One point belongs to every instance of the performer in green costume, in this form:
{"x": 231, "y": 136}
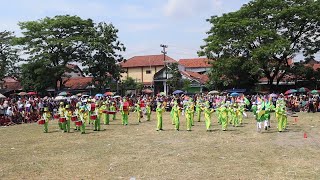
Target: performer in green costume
{"x": 207, "y": 115}
{"x": 46, "y": 116}
{"x": 160, "y": 109}
{"x": 148, "y": 111}
{"x": 176, "y": 114}
{"x": 198, "y": 109}
{"x": 124, "y": 112}
{"x": 189, "y": 115}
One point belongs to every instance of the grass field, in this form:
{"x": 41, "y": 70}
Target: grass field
{"x": 137, "y": 151}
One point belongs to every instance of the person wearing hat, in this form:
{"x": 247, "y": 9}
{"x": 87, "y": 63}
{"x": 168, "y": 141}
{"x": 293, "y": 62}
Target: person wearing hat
{"x": 104, "y": 116}
{"x": 46, "y": 116}
{"x": 224, "y": 117}
{"x": 160, "y": 109}
{"x": 68, "y": 115}
{"x": 82, "y": 118}
{"x": 61, "y": 112}
{"x": 114, "y": 109}
{"x": 207, "y": 115}
{"x": 124, "y": 109}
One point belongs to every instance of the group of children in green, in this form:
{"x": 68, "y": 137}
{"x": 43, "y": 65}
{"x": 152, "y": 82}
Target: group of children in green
{"x": 227, "y": 113}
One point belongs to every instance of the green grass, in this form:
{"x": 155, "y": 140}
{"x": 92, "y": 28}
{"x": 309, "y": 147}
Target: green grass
{"x": 137, "y": 150}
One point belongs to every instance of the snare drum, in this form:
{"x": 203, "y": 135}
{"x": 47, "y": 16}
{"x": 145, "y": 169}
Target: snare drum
{"x": 62, "y": 120}
{"x": 41, "y": 122}
{"x": 56, "y": 116}
{"x": 78, "y": 123}
{"x": 74, "y": 118}
{"x": 105, "y": 111}
{"x": 93, "y": 117}
{"x": 111, "y": 112}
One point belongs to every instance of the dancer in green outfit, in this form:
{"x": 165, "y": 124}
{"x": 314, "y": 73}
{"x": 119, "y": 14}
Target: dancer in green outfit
{"x": 198, "y": 110}
{"x": 176, "y": 113}
{"x": 160, "y": 109}
{"x": 103, "y": 114}
{"x": 46, "y": 116}
{"x": 148, "y": 111}
{"x": 189, "y": 111}
{"x": 207, "y": 115}
{"x": 224, "y": 117}
{"x": 114, "y": 109}
{"x": 61, "y": 111}
{"x": 82, "y": 119}
{"x": 138, "y": 111}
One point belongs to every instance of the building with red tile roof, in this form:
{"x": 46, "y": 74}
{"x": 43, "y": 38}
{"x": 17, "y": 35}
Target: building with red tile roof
{"x": 199, "y": 65}
{"x": 143, "y": 68}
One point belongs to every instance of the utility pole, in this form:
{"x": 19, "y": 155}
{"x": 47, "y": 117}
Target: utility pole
{"x": 164, "y": 52}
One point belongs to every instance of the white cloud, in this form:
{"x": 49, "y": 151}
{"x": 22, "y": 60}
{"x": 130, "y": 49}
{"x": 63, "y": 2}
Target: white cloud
{"x": 186, "y": 8}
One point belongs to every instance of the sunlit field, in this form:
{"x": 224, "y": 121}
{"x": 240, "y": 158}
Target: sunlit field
{"x": 138, "y": 151}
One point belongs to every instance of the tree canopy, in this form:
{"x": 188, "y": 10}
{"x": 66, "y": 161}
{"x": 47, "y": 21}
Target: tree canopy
{"x": 265, "y": 35}
{"x": 8, "y": 54}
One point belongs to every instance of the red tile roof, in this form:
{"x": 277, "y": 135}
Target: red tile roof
{"x": 316, "y": 66}
{"x": 11, "y": 83}
{"x": 78, "y": 83}
{"x": 202, "y": 78}
{"x": 195, "y": 63}
{"x": 146, "y": 61}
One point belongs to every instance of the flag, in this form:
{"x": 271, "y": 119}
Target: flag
{"x": 246, "y": 101}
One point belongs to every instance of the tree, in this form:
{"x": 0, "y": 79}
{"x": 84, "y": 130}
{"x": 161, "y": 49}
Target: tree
{"x": 8, "y": 55}
{"x": 103, "y": 63}
{"x": 174, "y": 81}
{"x": 56, "y": 42}
{"x": 267, "y": 33}
{"x": 36, "y": 76}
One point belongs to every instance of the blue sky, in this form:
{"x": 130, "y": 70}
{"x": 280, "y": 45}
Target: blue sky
{"x": 143, "y": 24}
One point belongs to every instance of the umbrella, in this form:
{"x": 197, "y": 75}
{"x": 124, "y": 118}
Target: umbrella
{"x": 147, "y": 91}
{"x": 213, "y": 92}
{"x": 22, "y": 93}
{"x": 162, "y": 93}
{"x": 2, "y": 96}
{"x": 58, "y": 98}
{"x": 303, "y": 90}
{"x": 273, "y": 95}
{"x": 79, "y": 94}
{"x": 108, "y": 93}
{"x": 177, "y": 92}
{"x": 63, "y": 93}
{"x": 234, "y": 94}
{"x": 290, "y": 91}
{"x": 74, "y": 97}
{"x": 31, "y": 93}
{"x": 99, "y": 95}
{"x": 116, "y": 96}
{"x": 315, "y": 91}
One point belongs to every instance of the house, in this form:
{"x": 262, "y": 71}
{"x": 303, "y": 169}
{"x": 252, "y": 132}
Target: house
{"x": 73, "y": 71}
{"x": 10, "y": 85}
{"x": 199, "y": 65}
{"x": 143, "y": 68}
{"x": 197, "y": 81}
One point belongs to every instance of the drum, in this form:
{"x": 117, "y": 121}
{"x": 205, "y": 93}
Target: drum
{"x": 111, "y": 112}
{"x": 56, "y": 116}
{"x": 62, "y": 120}
{"x": 93, "y": 117}
{"x": 78, "y": 123}
{"x": 105, "y": 111}
{"x": 41, "y": 122}
{"x": 74, "y": 118}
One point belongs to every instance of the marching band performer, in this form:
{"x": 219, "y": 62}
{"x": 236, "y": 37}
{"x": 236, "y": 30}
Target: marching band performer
{"x": 68, "y": 115}
{"x": 46, "y": 116}
{"x": 97, "y": 121}
{"x": 124, "y": 109}
{"x": 189, "y": 111}
{"x": 104, "y": 116}
{"x": 61, "y": 112}
{"x": 82, "y": 116}
{"x": 139, "y": 111}
{"x": 113, "y": 108}
{"x": 176, "y": 114}
{"x": 198, "y": 109}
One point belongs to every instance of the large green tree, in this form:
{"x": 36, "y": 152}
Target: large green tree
{"x": 175, "y": 81}
{"x": 56, "y": 42}
{"x": 8, "y": 54}
{"x": 103, "y": 62}
{"x": 37, "y": 76}
{"x": 267, "y": 33}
